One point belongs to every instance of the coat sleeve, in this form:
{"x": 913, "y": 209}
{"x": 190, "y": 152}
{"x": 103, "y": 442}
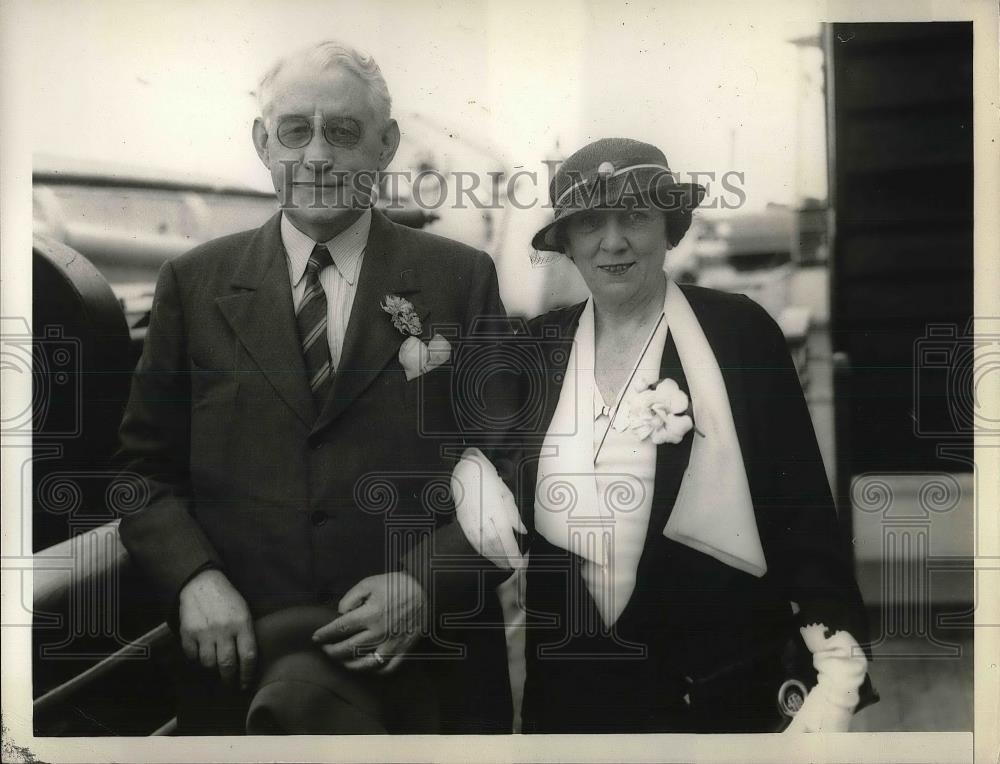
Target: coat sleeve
{"x": 807, "y": 553}
{"x": 163, "y": 537}
{"x": 484, "y": 329}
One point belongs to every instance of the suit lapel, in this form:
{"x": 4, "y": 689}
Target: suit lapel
{"x": 671, "y": 459}
{"x": 672, "y": 463}
{"x": 262, "y": 315}
{"x": 371, "y": 340}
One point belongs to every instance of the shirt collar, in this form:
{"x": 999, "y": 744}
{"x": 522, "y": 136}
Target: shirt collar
{"x": 346, "y": 248}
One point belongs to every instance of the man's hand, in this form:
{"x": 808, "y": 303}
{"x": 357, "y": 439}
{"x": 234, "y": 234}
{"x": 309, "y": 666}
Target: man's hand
{"x": 381, "y": 617}
{"x": 216, "y": 627}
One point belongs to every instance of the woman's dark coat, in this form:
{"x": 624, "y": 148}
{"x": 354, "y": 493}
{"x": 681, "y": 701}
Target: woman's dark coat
{"x": 698, "y": 647}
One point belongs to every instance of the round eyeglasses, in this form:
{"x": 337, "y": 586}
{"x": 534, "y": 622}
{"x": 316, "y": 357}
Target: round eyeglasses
{"x": 295, "y": 132}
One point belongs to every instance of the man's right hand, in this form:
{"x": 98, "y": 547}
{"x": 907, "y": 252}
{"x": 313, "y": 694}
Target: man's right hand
{"x": 216, "y": 627}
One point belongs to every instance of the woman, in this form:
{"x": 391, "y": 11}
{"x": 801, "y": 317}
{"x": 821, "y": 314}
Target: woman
{"x": 674, "y": 500}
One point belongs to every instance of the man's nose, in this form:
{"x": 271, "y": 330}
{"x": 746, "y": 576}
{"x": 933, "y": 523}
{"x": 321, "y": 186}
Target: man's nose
{"x": 318, "y": 154}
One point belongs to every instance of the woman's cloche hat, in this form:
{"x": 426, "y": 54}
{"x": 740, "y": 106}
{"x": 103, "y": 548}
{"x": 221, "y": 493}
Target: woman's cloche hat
{"x": 613, "y": 173}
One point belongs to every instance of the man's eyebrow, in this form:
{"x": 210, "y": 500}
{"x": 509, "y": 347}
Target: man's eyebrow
{"x": 326, "y": 115}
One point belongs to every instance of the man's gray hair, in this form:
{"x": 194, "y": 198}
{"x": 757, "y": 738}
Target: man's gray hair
{"x": 327, "y": 55}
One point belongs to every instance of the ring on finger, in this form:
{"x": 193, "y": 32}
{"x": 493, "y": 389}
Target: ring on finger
{"x": 378, "y": 658}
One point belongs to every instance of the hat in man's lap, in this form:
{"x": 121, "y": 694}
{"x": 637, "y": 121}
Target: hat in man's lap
{"x": 304, "y": 692}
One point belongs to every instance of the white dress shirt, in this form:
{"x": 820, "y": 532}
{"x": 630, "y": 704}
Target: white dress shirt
{"x": 339, "y": 281}
{"x": 596, "y": 503}
{"x": 625, "y": 471}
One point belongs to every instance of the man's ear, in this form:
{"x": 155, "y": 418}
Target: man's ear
{"x": 260, "y": 140}
{"x": 390, "y": 142}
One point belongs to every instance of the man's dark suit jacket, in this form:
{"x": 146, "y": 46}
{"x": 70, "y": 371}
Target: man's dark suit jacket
{"x": 297, "y": 502}
{"x": 691, "y": 617}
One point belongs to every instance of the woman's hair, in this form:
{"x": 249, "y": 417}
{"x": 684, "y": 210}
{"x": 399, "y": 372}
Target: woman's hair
{"x": 330, "y": 54}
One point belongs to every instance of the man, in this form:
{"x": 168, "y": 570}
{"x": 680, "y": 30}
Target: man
{"x": 277, "y": 413}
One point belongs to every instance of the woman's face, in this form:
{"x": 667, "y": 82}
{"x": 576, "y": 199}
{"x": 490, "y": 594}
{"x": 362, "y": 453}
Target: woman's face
{"x": 619, "y": 253}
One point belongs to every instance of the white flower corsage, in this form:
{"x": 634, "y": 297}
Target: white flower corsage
{"x": 404, "y": 315}
{"x": 660, "y": 411}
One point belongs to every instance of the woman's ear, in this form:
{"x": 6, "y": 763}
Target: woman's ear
{"x": 666, "y": 230}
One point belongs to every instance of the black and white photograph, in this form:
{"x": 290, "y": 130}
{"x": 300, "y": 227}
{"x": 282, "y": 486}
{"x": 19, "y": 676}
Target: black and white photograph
{"x": 442, "y": 381}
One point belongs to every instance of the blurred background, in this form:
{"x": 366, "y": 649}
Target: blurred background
{"x": 838, "y": 159}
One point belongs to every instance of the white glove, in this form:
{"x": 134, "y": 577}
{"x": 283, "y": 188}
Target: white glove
{"x": 486, "y": 510}
{"x": 841, "y": 667}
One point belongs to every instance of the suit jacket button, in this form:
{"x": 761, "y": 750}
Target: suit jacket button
{"x": 318, "y": 518}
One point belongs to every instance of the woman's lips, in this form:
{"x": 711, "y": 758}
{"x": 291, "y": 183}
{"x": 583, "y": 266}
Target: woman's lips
{"x": 617, "y": 269}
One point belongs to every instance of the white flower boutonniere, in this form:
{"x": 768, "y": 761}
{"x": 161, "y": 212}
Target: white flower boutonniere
{"x": 660, "y": 411}
{"x": 416, "y": 357}
{"x": 404, "y": 315}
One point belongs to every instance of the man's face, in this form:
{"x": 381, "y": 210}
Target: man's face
{"x": 321, "y": 185}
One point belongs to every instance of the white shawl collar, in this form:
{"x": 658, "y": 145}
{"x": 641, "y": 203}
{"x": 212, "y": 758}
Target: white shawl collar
{"x": 713, "y": 512}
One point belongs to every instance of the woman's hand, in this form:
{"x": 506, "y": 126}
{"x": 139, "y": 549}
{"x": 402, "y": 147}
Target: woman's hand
{"x": 841, "y": 667}
{"x": 486, "y": 510}
{"x": 817, "y": 714}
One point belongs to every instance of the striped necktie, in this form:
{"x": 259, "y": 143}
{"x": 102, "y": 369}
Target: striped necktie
{"x": 311, "y": 319}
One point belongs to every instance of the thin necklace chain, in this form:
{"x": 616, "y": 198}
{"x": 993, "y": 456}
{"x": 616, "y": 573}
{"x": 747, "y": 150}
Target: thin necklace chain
{"x": 624, "y": 389}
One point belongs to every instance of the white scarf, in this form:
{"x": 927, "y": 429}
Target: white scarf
{"x": 713, "y": 512}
